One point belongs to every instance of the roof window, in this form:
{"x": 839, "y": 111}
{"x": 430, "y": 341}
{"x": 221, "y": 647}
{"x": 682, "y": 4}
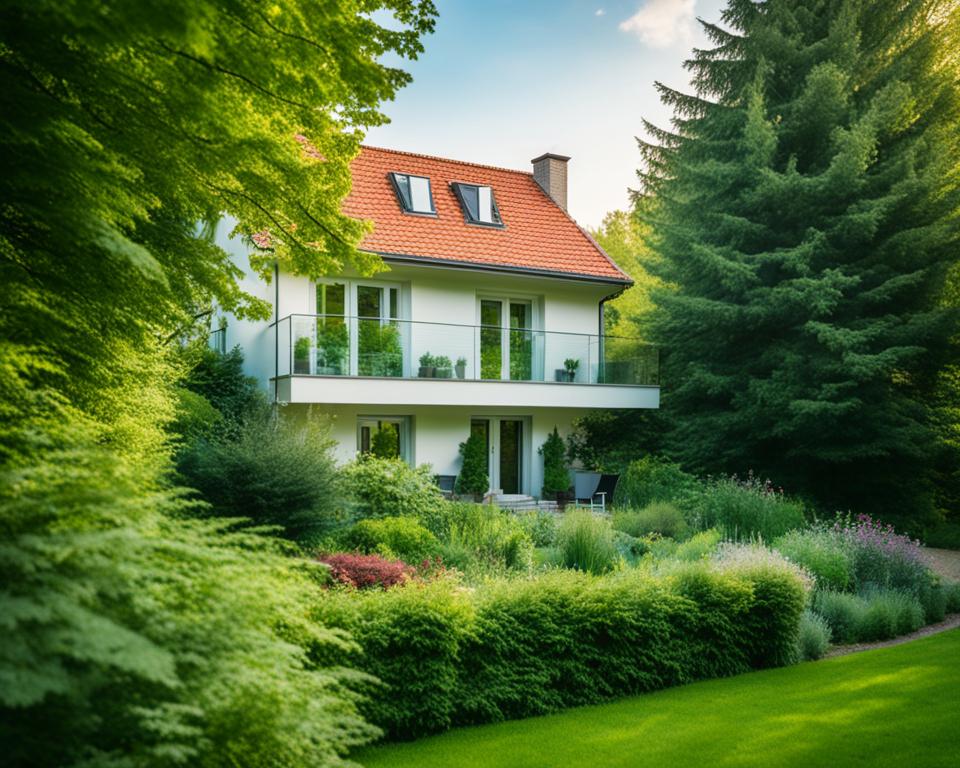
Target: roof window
{"x": 478, "y": 204}
{"x": 414, "y": 193}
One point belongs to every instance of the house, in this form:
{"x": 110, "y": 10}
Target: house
{"x": 489, "y": 319}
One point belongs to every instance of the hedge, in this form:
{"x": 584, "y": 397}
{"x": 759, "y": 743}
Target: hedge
{"x": 447, "y": 655}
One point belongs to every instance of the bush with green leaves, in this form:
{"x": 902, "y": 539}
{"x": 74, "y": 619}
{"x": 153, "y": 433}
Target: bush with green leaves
{"x": 745, "y": 509}
{"x": 541, "y": 525}
{"x": 276, "y": 471}
{"x": 556, "y": 477}
{"x": 521, "y": 647}
{"x": 379, "y": 487}
{"x": 951, "y": 593}
{"x": 400, "y": 537}
{"x": 814, "y": 636}
{"x": 878, "y": 614}
{"x": 659, "y": 517}
{"x": 821, "y": 551}
{"x": 586, "y": 542}
{"x": 221, "y": 381}
{"x": 384, "y": 443}
{"x": 473, "y": 479}
{"x": 654, "y": 478}
{"x": 485, "y": 535}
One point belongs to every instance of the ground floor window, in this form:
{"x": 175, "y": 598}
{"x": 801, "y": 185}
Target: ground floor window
{"x": 388, "y": 437}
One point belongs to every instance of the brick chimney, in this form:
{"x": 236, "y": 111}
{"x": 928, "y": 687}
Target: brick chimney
{"x": 550, "y": 172}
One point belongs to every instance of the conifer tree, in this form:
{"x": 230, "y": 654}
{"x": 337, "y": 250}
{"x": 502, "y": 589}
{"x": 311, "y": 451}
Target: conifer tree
{"x": 807, "y": 213}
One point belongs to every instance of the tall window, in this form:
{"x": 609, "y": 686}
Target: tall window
{"x": 413, "y": 192}
{"x": 387, "y": 437}
{"x": 506, "y": 340}
{"x": 333, "y": 342}
{"x": 379, "y": 347}
{"x": 478, "y": 204}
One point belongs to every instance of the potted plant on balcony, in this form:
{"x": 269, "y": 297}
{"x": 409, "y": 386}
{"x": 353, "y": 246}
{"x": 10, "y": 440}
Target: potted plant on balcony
{"x": 301, "y": 355}
{"x": 444, "y": 368}
{"x": 428, "y": 366}
{"x": 332, "y": 344}
{"x": 461, "y": 367}
{"x": 569, "y": 370}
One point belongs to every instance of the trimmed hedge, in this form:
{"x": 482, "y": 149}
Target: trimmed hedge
{"x": 514, "y": 648}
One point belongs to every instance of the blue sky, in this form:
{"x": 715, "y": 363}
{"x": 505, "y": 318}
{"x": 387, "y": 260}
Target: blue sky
{"x": 503, "y": 81}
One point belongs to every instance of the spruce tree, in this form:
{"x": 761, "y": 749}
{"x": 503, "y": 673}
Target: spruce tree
{"x": 806, "y": 212}
{"x": 556, "y": 478}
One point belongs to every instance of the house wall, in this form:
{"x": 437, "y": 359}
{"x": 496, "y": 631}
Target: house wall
{"x": 438, "y": 432}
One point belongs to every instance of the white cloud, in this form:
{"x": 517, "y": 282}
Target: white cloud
{"x": 662, "y": 22}
{"x": 600, "y": 12}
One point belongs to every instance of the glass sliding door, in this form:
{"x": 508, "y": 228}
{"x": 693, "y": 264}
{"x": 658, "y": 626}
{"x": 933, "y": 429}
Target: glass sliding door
{"x": 333, "y": 342}
{"x": 506, "y": 341}
{"x": 379, "y": 348}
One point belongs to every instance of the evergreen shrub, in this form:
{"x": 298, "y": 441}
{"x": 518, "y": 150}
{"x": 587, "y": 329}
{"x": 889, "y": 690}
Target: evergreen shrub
{"x": 516, "y": 648}
{"x": 814, "y": 637}
{"x": 473, "y": 479}
{"x": 556, "y": 477}
{"x": 400, "y": 537}
{"x": 653, "y": 478}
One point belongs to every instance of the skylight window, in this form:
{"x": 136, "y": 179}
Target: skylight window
{"x": 413, "y": 192}
{"x": 478, "y": 204}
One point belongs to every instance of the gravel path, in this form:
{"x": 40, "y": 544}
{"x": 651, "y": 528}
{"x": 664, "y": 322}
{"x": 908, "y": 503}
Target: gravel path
{"x": 946, "y": 562}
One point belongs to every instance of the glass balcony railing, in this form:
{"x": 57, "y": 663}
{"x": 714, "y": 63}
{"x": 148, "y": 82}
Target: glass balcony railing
{"x": 334, "y": 345}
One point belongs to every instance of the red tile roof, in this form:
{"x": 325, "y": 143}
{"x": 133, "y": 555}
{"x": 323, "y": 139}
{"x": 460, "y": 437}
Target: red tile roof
{"x": 538, "y": 235}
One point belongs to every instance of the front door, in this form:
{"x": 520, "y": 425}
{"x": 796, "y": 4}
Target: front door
{"x": 504, "y": 441}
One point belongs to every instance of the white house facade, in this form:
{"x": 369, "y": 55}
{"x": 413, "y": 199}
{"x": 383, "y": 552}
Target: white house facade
{"x": 488, "y": 319}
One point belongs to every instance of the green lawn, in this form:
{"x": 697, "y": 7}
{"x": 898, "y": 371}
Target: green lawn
{"x": 896, "y": 706}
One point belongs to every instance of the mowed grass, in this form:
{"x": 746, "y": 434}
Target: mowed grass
{"x": 896, "y": 706}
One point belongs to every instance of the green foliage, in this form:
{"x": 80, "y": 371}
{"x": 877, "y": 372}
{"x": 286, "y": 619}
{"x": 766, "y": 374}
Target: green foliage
{"x": 389, "y": 488}
{"x": 653, "y": 478}
{"x": 952, "y": 598}
{"x": 556, "y": 478}
{"x": 380, "y": 352}
{"x": 698, "y": 546}
{"x": 277, "y": 471}
{"x": 743, "y": 509}
{"x": 822, "y": 553}
{"x": 540, "y": 525}
{"x": 126, "y": 622}
{"x": 805, "y": 210}
{"x": 657, "y": 517}
{"x": 586, "y": 542}
{"x": 400, "y": 537}
{"x": 473, "y": 479}
{"x": 220, "y": 380}
{"x": 814, "y": 638}
{"x": 195, "y": 419}
{"x": 409, "y": 639}
{"x": 484, "y": 534}
{"x": 843, "y": 612}
{"x": 516, "y": 648}
{"x": 383, "y": 445}
{"x": 609, "y": 441}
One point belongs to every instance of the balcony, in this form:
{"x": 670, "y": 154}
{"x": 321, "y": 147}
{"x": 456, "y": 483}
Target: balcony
{"x": 337, "y": 359}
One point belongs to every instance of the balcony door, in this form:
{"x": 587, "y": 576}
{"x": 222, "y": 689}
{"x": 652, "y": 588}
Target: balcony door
{"x": 506, "y": 339}
{"x": 379, "y": 351}
{"x": 504, "y": 438}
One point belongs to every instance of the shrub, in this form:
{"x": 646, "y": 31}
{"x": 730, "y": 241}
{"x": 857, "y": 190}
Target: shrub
{"x": 889, "y": 613}
{"x": 586, "y": 542}
{"x": 473, "y": 479}
{"x": 883, "y": 557}
{"x": 658, "y": 517}
{"x": 409, "y": 638}
{"x": 653, "y": 478}
{"x": 366, "y": 571}
{"x": 744, "y": 509}
{"x": 195, "y": 419}
{"x": 540, "y": 525}
{"x": 383, "y": 445}
{"x": 814, "y": 636}
{"x": 390, "y": 488}
{"x": 277, "y": 471}
{"x": 699, "y": 546}
{"x": 556, "y": 478}
{"x": 844, "y": 613}
{"x": 516, "y": 648}
{"x": 822, "y": 552}
{"x": 486, "y": 534}
{"x": 400, "y": 537}
{"x": 220, "y": 379}
{"x": 952, "y": 597}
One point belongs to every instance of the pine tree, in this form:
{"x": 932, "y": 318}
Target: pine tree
{"x": 556, "y": 478}
{"x": 807, "y": 212}
{"x": 473, "y": 479}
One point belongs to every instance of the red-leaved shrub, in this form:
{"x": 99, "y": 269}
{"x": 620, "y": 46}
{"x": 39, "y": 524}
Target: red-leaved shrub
{"x": 365, "y": 571}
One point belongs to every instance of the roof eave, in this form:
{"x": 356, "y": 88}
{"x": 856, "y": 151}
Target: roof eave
{"x": 504, "y": 268}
